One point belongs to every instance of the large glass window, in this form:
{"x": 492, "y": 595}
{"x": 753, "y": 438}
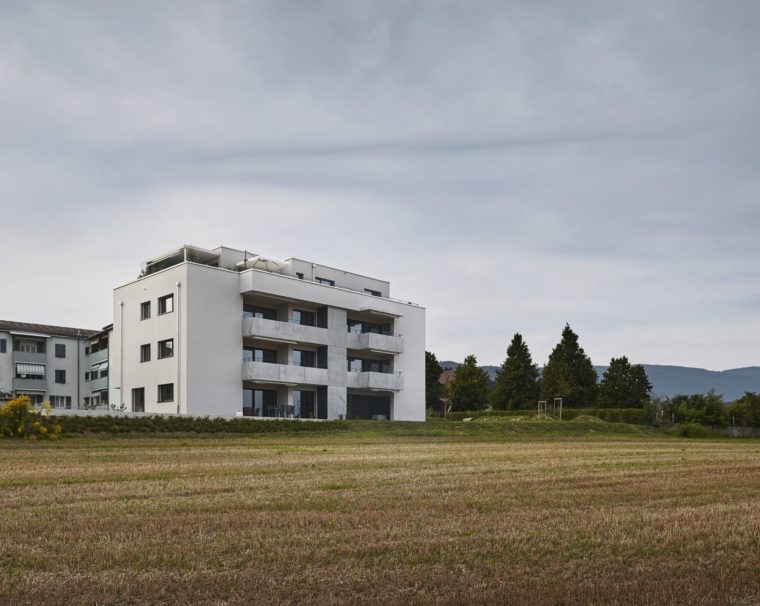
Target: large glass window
{"x": 304, "y": 404}
{"x": 304, "y": 358}
{"x": 29, "y": 346}
{"x": 261, "y": 403}
{"x": 254, "y": 311}
{"x": 254, "y": 354}
{"x": 369, "y": 365}
{"x": 306, "y": 318}
{"x": 359, "y": 327}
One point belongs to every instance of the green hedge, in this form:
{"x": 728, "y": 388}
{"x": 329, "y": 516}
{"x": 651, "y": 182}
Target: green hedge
{"x": 632, "y": 416}
{"x": 157, "y": 424}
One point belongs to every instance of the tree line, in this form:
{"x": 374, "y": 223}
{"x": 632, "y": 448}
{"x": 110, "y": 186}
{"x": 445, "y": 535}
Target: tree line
{"x": 570, "y": 375}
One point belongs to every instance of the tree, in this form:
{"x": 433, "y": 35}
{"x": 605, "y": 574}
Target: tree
{"x": 517, "y": 379}
{"x": 624, "y": 385}
{"x": 468, "y": 389}
{"x": 569, "y": 374}
{"x": 433, "y": 387}
{"x": 745, "y": 411}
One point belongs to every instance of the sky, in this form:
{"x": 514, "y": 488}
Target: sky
{"x": 510, "y": 166}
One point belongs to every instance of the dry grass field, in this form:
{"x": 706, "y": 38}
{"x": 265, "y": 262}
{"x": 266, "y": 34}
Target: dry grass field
{"x": 356, "y": 519}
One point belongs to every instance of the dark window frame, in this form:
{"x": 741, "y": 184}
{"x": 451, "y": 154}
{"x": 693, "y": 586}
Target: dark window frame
{"x": 162, "y": 396}
{"x": 60, "y": 347}
{"x": 59, "y": 374}
{"x": 145, "y": 310}
{"x": 162, "y": 304}
{"x": 167, "y": 345}
{"x": 145, "y": 352}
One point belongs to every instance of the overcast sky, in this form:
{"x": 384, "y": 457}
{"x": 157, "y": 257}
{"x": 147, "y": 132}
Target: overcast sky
{"x": 511, "y": 166}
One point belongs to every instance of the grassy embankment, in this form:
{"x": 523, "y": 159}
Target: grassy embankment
{"x": 490, "y": 512}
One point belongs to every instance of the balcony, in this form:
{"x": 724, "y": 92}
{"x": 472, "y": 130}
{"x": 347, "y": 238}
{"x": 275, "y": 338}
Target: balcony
{"x": 372, "y": 341}
{"x": 29, "y": 384}
{"x": 274, "y": 330}
{"x": 383, "y": 381}
{"x": 97, "y": 384}
{"x": 29, "y": 357}
{"x": 286, "y": 374}
{"x": 98, "y": 356}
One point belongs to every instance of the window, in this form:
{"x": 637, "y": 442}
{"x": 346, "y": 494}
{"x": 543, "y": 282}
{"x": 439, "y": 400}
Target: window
{"x": 36, "y": 398}
{"x": 304, "y": 358}
{"x": 145, "y": 310}
{"x": 60, "y": 402}
{"x": 251, "y": 354}
{"x": 326, "y": 281}
{"x": 87, "y": 350}
{"x": 145, "y": 353}
{"x": 3, "y": 346}
{"x": 261, "y": 403}
{"x": 60, "y": 376}
{"x": 374, "y": 293}
{"x": 29, "y": 346}
{"x": 165, "y": 349}
{"x": 305, "y": 318}
{"x": 60, "y": 350}
{"x": 299, "y": 275}
{"x": 166, "y": 392}
{"x": 354, "y": 365}
{"x": 138, "y": 399}
{"x": 304, "y": 404}
{"x": 87, "y": 377}
{"x": 253, "y": 311}
{"x": 166, "y": 305}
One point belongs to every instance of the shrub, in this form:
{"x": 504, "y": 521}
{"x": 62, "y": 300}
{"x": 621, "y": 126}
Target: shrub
{"x": 692, "y": 430}
{"x": 19, "y": 420}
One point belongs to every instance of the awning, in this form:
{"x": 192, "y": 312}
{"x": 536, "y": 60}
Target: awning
{"x": 99, "y": 366}
{"x": 29, "y": 334}
{"x": 30, "y": 369}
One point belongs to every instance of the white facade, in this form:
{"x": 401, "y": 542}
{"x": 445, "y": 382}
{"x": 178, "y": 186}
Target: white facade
{"x": 46, "y": 363}
{"x": 223, "y": 337}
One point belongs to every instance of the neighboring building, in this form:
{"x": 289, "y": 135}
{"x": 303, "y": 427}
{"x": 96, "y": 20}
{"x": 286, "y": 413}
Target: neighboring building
{"x": 44, "y": 362}
{"x": 96, "y": 374}
{"x": 224, "y": 332}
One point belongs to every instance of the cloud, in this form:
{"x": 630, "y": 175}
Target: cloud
{"x": 511, "y": 165}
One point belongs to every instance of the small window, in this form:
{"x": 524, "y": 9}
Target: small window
{"x": 299, "y": 275}
{"x": 166, "y": 305}
{"x": 87, "y": 350}
{"x": 326, "y": 281}
{"x": 374, "y": 293}
{"x": 166, "y": 348}
{"x": 87, "y": 377}
{"x": 60, "y": 350}
{"x": 166, "y": 392}
{"x": 3, "y": 346}
{"x": 60, "y": 376}
{"x": 145, "y": 353}
{"x": 145, "y": 310}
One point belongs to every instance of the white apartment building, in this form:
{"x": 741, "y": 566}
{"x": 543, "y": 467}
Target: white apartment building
{"x": 46, "y": 363}
{"x": 227, "y": 332}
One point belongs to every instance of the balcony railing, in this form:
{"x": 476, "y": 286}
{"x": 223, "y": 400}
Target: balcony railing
{"x": 385, "y": 381}
{"x": 283, "y": 331}
{"x": 375, "y": 342}
{"x": 29, "y": 357}
{"x": 31, "y": 384}
{"x": 266, "y": 372}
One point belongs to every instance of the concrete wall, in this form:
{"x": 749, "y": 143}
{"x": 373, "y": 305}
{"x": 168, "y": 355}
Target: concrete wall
{"x": 214, "y": 341}
{"x": 344, "y": 279}
{"x": 129, "y": 333}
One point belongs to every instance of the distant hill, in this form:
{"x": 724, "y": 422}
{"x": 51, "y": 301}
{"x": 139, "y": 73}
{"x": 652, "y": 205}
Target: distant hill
{"x": 674, "y": 380}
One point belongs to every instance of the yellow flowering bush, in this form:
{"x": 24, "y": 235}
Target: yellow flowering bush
{"x": 19, "y": 419}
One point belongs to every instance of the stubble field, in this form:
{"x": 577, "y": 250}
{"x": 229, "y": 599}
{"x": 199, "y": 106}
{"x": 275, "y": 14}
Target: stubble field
{"x": 356, "y": 519}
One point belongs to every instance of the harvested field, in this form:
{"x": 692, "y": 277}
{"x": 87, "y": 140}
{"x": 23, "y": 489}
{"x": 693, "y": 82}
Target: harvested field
{"x": 370, "y": 518}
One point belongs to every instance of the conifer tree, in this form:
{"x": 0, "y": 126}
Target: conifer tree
{"x": 469, "y": 389}
{"x": 569, "y": 374}
{"x": 624, "y": 385}
{"x": 433, "y": 387}
{"x": 517, "y": 378}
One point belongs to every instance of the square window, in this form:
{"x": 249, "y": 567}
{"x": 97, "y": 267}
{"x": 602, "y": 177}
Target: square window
{"x": 145, "y": 353}
{"x": 166, "y": 305}
{"x": 145, "y": 310}
{"x": 166, "y": 348}
{"x": 166, "y": 392}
